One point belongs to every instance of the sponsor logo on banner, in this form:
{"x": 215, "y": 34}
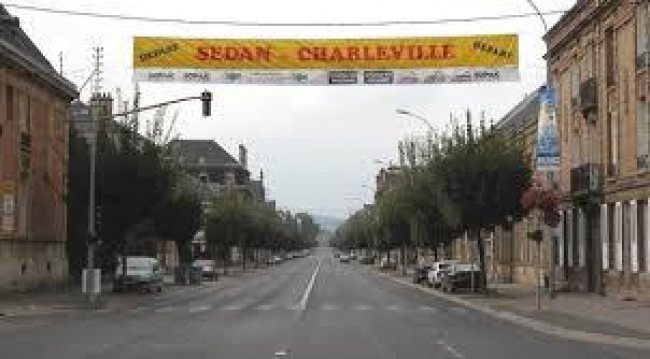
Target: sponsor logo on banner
{"x": 199, "y": 76}
{"x": 378, "y": 77}
{"x": 487, "y": 75}
{"x": 301, "y": 77}
{"x": 438, "y": 77}
{"x": 161, "y": 76}
{"x": 408, "y": 78}
{"x": 342, "y": 77}
{"x": 233, "y": 77}
{"x": 270, "y": 77}
{"x": 464, "y": 76}
{"x": 148, "y": 55}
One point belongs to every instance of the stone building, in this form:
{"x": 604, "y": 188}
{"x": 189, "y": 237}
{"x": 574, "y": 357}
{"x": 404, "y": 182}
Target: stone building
{"x": 598, "y": 54}
{"x": 34, "y": 102}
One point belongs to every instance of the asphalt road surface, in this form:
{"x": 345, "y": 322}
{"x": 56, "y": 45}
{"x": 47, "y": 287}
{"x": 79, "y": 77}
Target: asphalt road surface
{"x": 311, "y": 308}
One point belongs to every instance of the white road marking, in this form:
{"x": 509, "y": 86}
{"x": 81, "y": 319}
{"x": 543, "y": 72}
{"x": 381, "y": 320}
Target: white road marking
{"x": 305, "y": 296}
{"x": 394, "y": 307}
{"x": 451, "y": 349}
{"x": 329, "y": 307}
{"x": 264, "y": 307}
{"x": 427, "y": 308}
{"x": 199, "y": 309}
{"x": 362, "y": 307}
{"x": 137, "y": 310}
{"x": 164, "y": 310}
{"x": 232, "y": 307}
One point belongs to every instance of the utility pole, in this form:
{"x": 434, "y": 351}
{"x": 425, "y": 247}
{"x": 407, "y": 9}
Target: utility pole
{"x": 92, "y": 277}
{"x": 98, "y": 56}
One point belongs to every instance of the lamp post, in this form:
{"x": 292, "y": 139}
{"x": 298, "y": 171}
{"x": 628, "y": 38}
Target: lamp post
{"x": 422, "y": 119}
{"x": 548, "y": 101}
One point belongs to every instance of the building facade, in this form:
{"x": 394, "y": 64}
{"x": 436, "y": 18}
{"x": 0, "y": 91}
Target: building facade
{"x": 34, "y": 102}
{"x": 598, "y": 54}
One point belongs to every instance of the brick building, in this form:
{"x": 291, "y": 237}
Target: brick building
{"x": 598, "y": 54}
{"x": 34, "y": 103}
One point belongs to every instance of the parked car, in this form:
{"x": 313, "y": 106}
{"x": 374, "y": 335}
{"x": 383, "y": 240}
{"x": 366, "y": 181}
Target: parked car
{"x": 352, "y": 256}
{"x": 420, "y": 274}
{"x": 367, "y": 259}
{"x": 439, "y": 270}
{"x": 462, "y": 276}
{"x": 208, "y": 269}
{"x": 337, "y": 255}
{"x": 344, "y": 258}
{"x": 142, "y": 273}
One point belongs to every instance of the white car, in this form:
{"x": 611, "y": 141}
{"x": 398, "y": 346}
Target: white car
{"x": 438, "y": 270}
{"x": 208, "y": 269}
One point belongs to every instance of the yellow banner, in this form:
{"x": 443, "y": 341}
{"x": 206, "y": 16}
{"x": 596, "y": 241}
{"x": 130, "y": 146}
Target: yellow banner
{"x": 486, "y": 51}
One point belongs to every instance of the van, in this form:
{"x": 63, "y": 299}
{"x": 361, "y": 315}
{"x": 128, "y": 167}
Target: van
{"x": 142, "y": 273}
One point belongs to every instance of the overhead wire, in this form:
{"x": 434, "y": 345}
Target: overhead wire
{"x": 241, "y": 23}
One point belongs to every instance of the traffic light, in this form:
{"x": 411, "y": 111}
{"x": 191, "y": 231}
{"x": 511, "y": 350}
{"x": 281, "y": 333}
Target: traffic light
{"x": 98, "y": 219}
{"x": 206, "y": 102}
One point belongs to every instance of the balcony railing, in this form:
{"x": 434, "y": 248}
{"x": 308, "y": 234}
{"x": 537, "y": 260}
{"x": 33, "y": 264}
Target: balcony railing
{"x": 587, "y": 179}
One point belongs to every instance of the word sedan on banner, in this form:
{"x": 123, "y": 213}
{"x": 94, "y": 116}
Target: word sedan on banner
{"x": 418, "y": 60}
{"x": 548, "y": 143}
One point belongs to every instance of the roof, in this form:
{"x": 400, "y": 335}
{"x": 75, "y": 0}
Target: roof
{"x": 211, "y": 152}
{"x": 18, "y": 48}
{"x": 525, "y": 111}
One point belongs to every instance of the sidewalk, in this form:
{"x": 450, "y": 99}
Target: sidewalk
{"x": 579, "y": 315}
{"x": 71, "y": 299}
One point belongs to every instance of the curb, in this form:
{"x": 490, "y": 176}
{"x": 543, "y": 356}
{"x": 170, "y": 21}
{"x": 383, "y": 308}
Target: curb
{"x": 534, "y": 324}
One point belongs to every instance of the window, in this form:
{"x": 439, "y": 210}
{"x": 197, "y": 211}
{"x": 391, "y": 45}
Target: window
{"x": 10, "y": 103}
{"x": 642, "y": 134}
{"x": 576, "y": 141}
{"x": 611, "y": 56}
{"x": 575, "y": 83}
{"x": 641, "y": 231}
{"x": 588, "y": 61}
{"x": 611, "y": 228}
{"x": 613, "y": 141}
{"x": 642, "y": 24}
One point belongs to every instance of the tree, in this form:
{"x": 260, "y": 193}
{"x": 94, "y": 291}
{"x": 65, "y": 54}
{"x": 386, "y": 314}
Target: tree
{"x": 484, "y": 175}
{"x": 132, "y": 179}
{"x": 179, "y": 218}
{"x": 77, "y": 202}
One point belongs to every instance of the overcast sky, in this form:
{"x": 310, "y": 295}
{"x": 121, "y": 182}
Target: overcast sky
{"x": 316, "y": 145}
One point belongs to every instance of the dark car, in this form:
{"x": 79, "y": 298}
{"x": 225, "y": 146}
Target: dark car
{"x": 420, "y": 274}
{"x": 462, "y": 277}
{"x": 367, "y": 260}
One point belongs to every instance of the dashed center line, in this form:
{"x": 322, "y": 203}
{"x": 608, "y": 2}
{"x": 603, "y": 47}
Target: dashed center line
{"x": 264, "y": 307}
{"x": 329, "y": 307}
{"x": 394, "y": 307}
{"x": 199, "y": 309}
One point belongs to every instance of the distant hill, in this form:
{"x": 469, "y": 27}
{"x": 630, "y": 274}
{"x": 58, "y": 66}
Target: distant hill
{"x": 328, "y": 223}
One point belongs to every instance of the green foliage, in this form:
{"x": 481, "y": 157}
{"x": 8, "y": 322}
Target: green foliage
{"x": 233, "y": 220}
{"x": 77, "y": 202}
{"x": 463, "y": 181}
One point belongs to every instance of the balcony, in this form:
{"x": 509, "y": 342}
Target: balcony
{"x": 589, "y": 96}
{"x": 586, "y": 180}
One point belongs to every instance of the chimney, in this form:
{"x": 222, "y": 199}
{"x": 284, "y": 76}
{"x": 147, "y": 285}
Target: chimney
{"x": 243, "y": 156}
{"x": 102, "y": 106}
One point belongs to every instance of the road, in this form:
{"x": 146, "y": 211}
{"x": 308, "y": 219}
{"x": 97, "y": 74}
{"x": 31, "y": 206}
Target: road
{"x": 312, "y": 308}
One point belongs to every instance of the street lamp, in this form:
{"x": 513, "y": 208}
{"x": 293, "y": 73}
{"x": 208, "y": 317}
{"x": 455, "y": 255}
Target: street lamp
{"x": 549, "y": 173}
{"x": 423, "y": 119}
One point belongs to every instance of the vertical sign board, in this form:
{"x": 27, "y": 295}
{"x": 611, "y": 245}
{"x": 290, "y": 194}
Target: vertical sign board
{"x": 548, "y": 143}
